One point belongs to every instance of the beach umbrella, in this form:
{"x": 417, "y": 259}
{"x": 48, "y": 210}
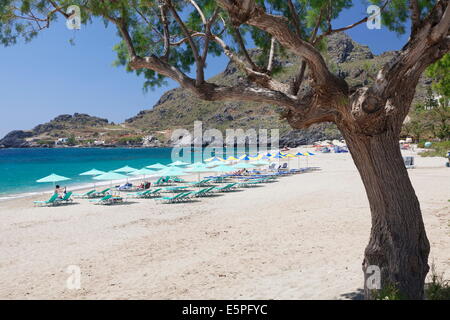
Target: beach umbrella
{"x": 214, "y": 159}
{"x": 307, "y": 154}
{"x": 244, "y": 157}
{"x": 222, "y": 168}
{"x": 213, "y": 164}
{"x": 142, "y": 172}
{"x": 260, "y": 163}
{"x": 289, "y": 156}
{"x": 125, "y": 169}
{"x": 256, "y": 157}
{"x": 178, "y": 164}
{"x": 110, "y": 176}
{"x": 199, "y": 170}
{"x": 52, "y": 178}
{"x": 244, "y": 166}
{"x": 197, "y": 165}
{"x": 299, "y": 155}
{"x": 92, "y": 172}
{"x": 157, "y": 166}
{"x": 170, "y": 171}
{"x": 231, "y": 158}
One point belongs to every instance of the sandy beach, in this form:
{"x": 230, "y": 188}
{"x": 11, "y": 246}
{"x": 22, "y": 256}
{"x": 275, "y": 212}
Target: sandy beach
{"x": 302, "y": 237}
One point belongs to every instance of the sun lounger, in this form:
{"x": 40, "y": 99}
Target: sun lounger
{"x": 170, "y": 199}
{"x": 202, "y": 193}
{"x": 50, "y": 201}
{"x": 66, "y": 199}
{"x": 146, "y": 194}
{"x": 175, "y": 189}
{"x": 108, "y": 199}
{"x": 203, "y": 183}
{"x": 176, "y": 180}
{"x": 101, "y": 193}
{"x": 84, "y": 195}
{"x": 226, "y": 188}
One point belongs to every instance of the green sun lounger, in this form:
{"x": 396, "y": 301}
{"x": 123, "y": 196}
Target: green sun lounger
{"x": 101, "y": 193}
{"x": 108, "y": 199}
{"x": 203, "y": 183}
{"x": 65, "y": 199}
{"x": 50, "y": 201}
{"x": 145, "y": 194}
{"x": 226, "y": 188}
{"x": 84, "y": 195}
{"x": 177, "y": 198}
{"x": 202, "y": 193}
{"x": 169, "y": 199}
{"x": 138, "y": 194}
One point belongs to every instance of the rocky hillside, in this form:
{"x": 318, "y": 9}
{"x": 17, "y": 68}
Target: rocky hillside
{"x": 178, "y": 108}
{"x": 66, "y": 126}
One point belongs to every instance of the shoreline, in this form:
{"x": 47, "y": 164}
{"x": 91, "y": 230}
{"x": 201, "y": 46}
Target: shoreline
{"x": 302, "y": 237}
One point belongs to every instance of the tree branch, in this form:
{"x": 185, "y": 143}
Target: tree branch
{"x": 426, "y": 46}
{"x": 415, "y": 15}
{"x": 271, "y": 55}
{"x": 200, "y": 66}
{"x": 248, "y": 12}
{"x": 244, "y": 51}
{"x": 212, "y": 92}
{"x": 294, "y": 17}
{"x": 351, "y": 26}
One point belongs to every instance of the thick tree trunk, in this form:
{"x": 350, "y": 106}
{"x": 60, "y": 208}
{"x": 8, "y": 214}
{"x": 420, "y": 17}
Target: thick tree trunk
{"x": 398, "y": 243}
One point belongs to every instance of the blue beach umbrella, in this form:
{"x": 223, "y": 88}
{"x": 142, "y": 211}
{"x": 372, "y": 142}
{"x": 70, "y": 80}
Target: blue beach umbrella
{"x": 214, "y": 159}
{"x": 307, "y": 154}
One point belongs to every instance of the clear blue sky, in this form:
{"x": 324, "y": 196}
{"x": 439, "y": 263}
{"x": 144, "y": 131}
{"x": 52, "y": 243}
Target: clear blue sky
{"x": 49, "y": 76}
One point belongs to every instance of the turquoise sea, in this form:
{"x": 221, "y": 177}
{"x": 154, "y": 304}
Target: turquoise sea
{"x": 20, "y": 168}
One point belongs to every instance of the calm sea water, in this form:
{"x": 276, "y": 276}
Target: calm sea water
{"x": 20, "y": 168}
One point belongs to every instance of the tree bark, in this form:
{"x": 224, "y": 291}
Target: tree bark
{"x": 398, "y": 243}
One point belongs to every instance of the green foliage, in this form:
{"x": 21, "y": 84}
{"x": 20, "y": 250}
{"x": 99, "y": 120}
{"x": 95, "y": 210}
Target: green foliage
{"x": 396, "y": 15}
{"x": 45, "y": 142}
{"x": 71, "y": 141}
{"x": 142, "y": 20}
{"x": 130, "y": 140}
{"x": 438, "y": 149}
{"x": 438, "y": 288}
{"x": 440, "y": 72}
{"x": 388, "y": 292}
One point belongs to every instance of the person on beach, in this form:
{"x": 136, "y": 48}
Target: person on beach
{"x": 60, "y": 191}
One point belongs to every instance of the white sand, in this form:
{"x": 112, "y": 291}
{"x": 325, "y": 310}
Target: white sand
{"x": 302, "y": 237}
